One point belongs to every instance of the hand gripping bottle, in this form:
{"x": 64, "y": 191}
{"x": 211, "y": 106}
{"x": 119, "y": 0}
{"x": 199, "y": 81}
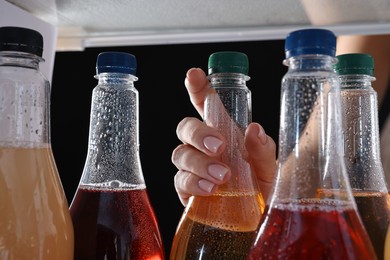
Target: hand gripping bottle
{"x": 223, "y": 225}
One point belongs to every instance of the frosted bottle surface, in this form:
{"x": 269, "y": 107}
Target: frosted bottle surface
{"x": 222, "y": 226}
{"x": 111, "y": 211}
{"x": 34, "y": 222}
{"x": 361, "y": 148}
{"x": 312, "y": 213}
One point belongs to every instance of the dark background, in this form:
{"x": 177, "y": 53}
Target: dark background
{"x": 163, "y": 103}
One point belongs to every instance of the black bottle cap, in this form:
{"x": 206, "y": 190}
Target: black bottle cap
{"x": 21, "y": 39}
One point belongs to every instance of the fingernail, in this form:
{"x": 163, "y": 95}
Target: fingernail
{"x": 262, "y": 136}
{"x": 189, "y": 72}
{"x": 206, "y": 185}
{"x": 212, "y": 143}
{"x": 217, "y": 171}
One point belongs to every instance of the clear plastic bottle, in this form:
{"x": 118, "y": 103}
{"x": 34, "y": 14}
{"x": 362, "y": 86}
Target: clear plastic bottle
{"x": 312, "y": 213}
{"x": 222, "y": 226}
{"x": 34, "y": 221}
{"x": 111, "y": 211}
{"x": 361, "y": 148}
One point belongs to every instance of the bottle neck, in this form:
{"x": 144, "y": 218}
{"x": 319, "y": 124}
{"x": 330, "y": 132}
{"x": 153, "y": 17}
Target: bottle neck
{"x": 310, "y": 62}
{"x": 113, "y": 149}
{"x": 310, "y": 144}
{"x": 24, "y": 117}
{"x": 356, "y": 81}
{"x": 228, "y": 108}
{"x": 228, "y": 79}
{"x": 307, "y": 89}
{"x": 20, "y": 59}
{"x": 361, "y": 132}
{"x": 120, "y": 79}
{"x": 231, "y": 96}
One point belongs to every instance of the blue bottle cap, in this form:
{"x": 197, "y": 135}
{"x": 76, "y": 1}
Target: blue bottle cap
{"x": 310, "y": 41}
{"x": 21, "y": 39}
{"x": 116, "y": 62}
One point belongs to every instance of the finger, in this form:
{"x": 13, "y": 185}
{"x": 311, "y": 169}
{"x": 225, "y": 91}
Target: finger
{"x": 262, "y": 151}
{"x": 197, "y": 86}
{"x": 201, "y": 166}
{"x": 206, "y": 139}
{"x": 198, "y": 173}
{"x": 188, "y": 184}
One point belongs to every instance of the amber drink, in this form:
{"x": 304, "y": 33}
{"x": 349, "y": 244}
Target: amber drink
{"x": 361, "y": 145}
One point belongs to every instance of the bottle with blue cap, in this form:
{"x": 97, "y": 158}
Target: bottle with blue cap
{"x": 112, "y": 215}
{"x": 312, "y": 213}
{"x": 223, "y": 225}
{"x": 35, "y": 222}
{"x": 361, "y": 145}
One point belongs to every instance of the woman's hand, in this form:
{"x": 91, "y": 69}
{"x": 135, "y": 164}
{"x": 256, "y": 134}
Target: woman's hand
{"x": 199, "y": 170}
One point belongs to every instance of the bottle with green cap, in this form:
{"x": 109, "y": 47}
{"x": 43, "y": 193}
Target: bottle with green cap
{"x": 34, "y": 214}
{"x": 223, "y": 226}
{"x": 361, "y": 145}
{"x": 112, "y": 215}
{"x": 312, "y": 213}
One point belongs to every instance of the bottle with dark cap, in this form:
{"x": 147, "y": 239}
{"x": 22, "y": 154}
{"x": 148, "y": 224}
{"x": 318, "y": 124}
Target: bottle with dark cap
{"x": 223, "y": 225}
{"x": 361, "y": 145}
{"x": 34, "y": 221}
{"x": 312, "y": 213}
{"x": 112, "y": 215}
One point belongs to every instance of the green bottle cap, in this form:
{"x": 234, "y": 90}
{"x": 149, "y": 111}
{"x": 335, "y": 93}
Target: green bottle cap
{"x": 228, "y": 61}
{"x": 355, "y": 63}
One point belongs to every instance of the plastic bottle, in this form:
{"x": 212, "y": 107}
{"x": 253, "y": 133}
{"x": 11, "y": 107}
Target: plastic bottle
{"x": 34, "y": 221}
{"x": 312, "y": 213}
{"x": 111, "y": 211}
{"x": 222, "y": 226}
{"x": 361, "y": 149}
{"x": 387, "y": 245}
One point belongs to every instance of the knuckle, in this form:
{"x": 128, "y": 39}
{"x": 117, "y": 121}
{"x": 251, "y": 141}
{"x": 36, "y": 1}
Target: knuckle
{"x": 182, "y": 126}
{"x": 187, "y": 129}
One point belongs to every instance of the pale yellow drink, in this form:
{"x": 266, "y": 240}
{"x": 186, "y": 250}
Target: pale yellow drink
{"x": 34, "y": 218}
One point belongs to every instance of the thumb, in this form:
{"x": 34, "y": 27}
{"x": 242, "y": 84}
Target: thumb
{"x": 262, "y": 156}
